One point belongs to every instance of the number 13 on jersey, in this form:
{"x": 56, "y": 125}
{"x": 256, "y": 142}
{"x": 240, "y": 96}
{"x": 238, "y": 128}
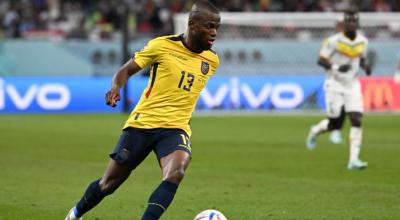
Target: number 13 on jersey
{"x": 186, "y": 81}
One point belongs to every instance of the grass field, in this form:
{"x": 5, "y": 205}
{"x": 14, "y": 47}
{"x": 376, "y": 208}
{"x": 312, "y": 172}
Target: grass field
{"x": 250, "y": 168}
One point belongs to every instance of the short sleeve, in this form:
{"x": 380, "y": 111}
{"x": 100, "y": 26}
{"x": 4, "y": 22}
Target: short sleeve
{"x": 216, "y": 62}
{"x": 148, "y": 55}
{"x": 328, "y": 48}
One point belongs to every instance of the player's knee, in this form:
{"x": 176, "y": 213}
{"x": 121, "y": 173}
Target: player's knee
{"x": 335, "y": 123}
{"x": 355, "y": 119}
{"x": 175, "y": 176}
{"x": 108, "y": 186}
{"x": 356, "y": 122}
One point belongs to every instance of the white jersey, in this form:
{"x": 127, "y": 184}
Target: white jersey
{"x": 341, "y": 50}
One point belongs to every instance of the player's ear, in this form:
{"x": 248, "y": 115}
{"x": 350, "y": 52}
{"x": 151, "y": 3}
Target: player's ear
{"x": 190, "y": 23}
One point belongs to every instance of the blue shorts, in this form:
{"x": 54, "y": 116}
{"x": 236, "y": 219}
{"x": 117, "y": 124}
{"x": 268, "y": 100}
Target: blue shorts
{"x": 135, "y": 144}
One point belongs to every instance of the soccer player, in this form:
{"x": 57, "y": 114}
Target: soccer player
{"x": 342, "y": 55}
{"x": 180, "y": 68}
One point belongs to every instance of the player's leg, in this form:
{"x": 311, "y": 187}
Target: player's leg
{"x": 173, "y": 152}
{"x": 334, "y": 103}
{"x": 355, "y": 142}
{"x": 173, "y": 169}
{"x": 354, "y": 108}
{"x": 129, "y": 152}
{"x": 113, "y": 177}
{"x": 336, "y": 133}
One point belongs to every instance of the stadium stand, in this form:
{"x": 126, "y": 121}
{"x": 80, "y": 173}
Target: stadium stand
{"x": 102, "y": 19}
{"x": 86, "y": 34}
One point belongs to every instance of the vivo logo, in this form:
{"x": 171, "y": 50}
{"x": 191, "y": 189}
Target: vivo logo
{"x": 51, "y": 96}
{"x": 281, "y": 95}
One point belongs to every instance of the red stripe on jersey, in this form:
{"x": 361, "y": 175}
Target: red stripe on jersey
{"x": 153, "y": 79}
{"x": 148, "y": 92}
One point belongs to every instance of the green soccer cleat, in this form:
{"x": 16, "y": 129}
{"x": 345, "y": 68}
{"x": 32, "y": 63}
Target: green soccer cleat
{"x": 311, "y": 140}
{"x": 357, "y": 165}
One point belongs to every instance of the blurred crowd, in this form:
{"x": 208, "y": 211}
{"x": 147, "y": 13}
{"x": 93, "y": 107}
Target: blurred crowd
{"x": 102, "y": 19}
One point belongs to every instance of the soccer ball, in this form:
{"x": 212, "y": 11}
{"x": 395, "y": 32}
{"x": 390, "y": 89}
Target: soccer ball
{"x": 210, "y": 214}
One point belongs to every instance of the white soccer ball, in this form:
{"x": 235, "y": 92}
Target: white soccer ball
{"x": 210, "y": 214}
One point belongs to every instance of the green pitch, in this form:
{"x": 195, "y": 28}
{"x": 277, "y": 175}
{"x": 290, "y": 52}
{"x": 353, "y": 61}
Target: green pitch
{"x": 250, "y": 168}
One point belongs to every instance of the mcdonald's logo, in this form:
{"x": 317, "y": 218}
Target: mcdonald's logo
{"x": 378, "y": 95}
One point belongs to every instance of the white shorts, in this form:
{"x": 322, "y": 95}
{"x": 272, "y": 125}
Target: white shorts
{"x": 350, "y": 98}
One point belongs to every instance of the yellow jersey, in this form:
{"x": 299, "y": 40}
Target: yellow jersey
{"x": 177, "y": 77}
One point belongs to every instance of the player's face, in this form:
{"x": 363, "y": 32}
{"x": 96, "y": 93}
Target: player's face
{"x": 350, "y": 23}
{"x": 205, "y": 30}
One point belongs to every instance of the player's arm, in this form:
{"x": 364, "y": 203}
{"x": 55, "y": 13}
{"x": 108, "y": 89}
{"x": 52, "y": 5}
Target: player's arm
{"x": 368, "y": 59}
{"x": 325, "y": 63}
{"x": 366, "y": 66}
{"x": 327, "y": 50}
{"x": 119, "y": 80}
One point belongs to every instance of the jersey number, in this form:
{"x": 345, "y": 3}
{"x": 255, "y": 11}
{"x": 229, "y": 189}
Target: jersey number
{"x": 185, "y": 142}
{"x": 188, "y": 83}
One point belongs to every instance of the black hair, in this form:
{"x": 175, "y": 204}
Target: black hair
{"x": 201, "y": 5}
{"x": 205, "y": 4}
{"x": 350, "y": 14}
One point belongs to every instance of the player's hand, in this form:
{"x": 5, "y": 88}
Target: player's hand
{"x": 368, "y": 70}
{"x": 112, "y": 97}
{"x": 344, "y": 68}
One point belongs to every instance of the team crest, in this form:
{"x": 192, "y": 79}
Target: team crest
{"x": 204, "y": 67}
